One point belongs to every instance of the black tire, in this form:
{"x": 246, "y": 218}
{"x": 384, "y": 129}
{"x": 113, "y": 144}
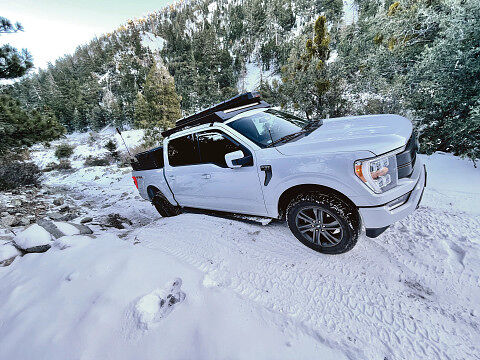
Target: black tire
{"x": 162, "y": 205}
{"x": 336, "y": 226}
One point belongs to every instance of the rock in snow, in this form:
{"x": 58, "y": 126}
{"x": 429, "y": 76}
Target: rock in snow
{"x": 38, "y": 237}
{"x": 55, "y": 216}
{"x": 58, "y": 201}
{"x": 73, "y": 229}
{"x": 33, "y": 239}
{"x": 8, "y": 253}
{"x": 158, "y": 304}
{"x": 86, "y": 220}
{"x": 8, "y": 220}
{"x": 58, "y": 229}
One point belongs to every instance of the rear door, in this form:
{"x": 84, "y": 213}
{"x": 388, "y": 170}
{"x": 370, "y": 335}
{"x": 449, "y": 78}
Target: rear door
{"x": 181, "y": 169}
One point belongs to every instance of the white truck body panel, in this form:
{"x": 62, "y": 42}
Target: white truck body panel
{"x": 325, "y": 157}
{"x": 376, "y": 133}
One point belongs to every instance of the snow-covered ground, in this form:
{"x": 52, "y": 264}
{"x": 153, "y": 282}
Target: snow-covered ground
{"x": 250, "y": 79}
{"x": 250, "y": 291}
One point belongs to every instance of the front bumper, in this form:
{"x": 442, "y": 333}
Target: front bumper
{"x": 375, "y": 217}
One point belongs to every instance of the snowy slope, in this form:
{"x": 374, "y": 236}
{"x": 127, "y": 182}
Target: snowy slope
{"x": 79, "y": 303}
{"x": 253, "y": 74}
{"x": 252, "y": 291}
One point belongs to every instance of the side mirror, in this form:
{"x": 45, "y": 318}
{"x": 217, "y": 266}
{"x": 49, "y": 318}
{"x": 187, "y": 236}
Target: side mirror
{"x": 231, "y": 157}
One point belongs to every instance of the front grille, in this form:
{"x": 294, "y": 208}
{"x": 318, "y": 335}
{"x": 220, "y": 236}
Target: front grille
{"x": 406, "y": 159}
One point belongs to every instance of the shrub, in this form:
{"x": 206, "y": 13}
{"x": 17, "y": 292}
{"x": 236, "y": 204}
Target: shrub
{"x": 93, "y": 138}
{"x": 64, "y": 151}
{"x": 111, "y": 146}
{"x": 14, "y": 174}
{"x": 96, "y": 161}
{"x": 64, "y": 164}
{"x": 139, "y": 148}
{"x": 50, "y": 167}
{"x": 124, "y": 160}
{"x": 19, "y": 154}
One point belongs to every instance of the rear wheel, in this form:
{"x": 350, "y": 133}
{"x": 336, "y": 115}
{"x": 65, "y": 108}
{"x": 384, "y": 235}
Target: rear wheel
{"x": 323, "y": 223}
{"x": 161, "y": 203}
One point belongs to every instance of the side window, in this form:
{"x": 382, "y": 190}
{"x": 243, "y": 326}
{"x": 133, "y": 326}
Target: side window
{"x": 214, "y": 145}
{"x": 183, "y": 151}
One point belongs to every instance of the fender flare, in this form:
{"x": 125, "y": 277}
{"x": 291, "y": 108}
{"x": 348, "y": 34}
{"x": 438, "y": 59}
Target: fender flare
{"x": 309, "y": 183}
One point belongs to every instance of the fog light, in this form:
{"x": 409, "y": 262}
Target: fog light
{"x": 398, "y": 201}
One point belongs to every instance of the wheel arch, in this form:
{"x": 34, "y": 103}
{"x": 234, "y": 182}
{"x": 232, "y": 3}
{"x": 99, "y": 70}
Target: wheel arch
{"x": 292, "y": 192}
{"x": 152, "y": 191}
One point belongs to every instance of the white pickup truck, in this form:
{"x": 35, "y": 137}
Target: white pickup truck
{"x": 326, "y": 178}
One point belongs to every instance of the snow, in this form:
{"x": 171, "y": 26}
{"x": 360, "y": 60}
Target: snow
{"x": 153, "y": 42}
{"x": 32, "y": 236}
{"x": 151, "y": 308}
{"x": 250, "y": 81}
{"x": 212, "y": 7}
{"x": 68, "y": 241}
{"x": 86, "y": 144}
{"x": 456, "y": 181}
{"x": 66, "y": 228}
{"x": 8, "y": 251}
{"x": 251, "y": 290}
{"x": 82, "y": 301}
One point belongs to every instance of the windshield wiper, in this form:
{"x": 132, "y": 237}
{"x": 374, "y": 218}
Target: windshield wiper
{"x": 313, "y": 124}
{"x": 287, "y": 138}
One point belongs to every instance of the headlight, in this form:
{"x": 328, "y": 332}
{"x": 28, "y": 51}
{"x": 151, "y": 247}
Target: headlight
{"x": 379, "y": 174}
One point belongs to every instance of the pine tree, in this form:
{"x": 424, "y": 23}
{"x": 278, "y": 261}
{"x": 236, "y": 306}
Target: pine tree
{"x": 158, "y": 107}
{"x": 20, "y": 128}
{"x": 305, "y": 77}
{"x": 77, "y": 120}
{"x": 13, "y": 63}
{"x": 444, "y": 84}
{"x": 111, "y": 146}
{"x": 142, "y": 113}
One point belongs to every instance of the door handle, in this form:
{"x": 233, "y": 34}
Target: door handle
{"x": 171, "y": 177}
{"x": 268, "y": 173}
{"x": 206, "y": 176}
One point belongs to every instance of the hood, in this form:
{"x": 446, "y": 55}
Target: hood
{"x": 375, "y": 133}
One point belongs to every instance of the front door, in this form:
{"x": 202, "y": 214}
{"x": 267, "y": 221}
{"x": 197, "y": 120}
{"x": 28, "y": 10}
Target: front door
{"x": 210, "y": 184}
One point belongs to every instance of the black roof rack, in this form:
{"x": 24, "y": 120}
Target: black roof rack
{"x": 220, "y": 112}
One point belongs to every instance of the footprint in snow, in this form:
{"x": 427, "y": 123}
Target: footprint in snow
{"x": 158, "y": 304}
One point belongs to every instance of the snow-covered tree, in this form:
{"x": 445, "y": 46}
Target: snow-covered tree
{"x": 305, "y": 77}
{"x": 158, "y": 107}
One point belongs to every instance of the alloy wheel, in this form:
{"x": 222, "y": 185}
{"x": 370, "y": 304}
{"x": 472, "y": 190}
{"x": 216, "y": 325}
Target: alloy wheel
{"x": 319, "y": 226}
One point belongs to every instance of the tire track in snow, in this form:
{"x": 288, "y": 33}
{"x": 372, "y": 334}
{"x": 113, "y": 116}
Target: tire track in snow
{"x": 360, "y": 301}
{"x": 354, "y": 301}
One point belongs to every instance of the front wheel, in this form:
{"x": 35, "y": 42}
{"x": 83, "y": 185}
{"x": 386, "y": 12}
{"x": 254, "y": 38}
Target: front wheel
{"x": 323, "y": 223}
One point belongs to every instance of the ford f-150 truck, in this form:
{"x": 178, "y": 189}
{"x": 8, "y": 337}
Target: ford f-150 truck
{"x": 326, "y": 178}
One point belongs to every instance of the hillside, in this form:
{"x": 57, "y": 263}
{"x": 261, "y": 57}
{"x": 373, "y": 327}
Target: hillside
{"x": 395, "y": 57}
{"x": 213, "y": 50}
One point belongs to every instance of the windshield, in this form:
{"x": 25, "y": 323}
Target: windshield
{"x": 268, "y": 126}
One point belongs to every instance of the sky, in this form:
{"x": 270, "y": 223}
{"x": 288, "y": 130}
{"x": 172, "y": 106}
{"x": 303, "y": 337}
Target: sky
{"x": 56, "y": 27}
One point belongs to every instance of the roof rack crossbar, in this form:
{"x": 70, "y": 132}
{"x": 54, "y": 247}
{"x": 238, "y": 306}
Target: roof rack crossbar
{"x": 239, "y": 100}
{"x": 212, "y": 114}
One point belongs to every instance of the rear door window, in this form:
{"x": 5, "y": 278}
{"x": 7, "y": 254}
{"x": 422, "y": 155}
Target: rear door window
{"x": 214, "y": 145}
{"x": 183, "y": 151}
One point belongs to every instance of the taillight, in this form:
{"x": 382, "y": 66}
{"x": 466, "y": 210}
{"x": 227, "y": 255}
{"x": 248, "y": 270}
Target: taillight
{"x": 135, "y": 181}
